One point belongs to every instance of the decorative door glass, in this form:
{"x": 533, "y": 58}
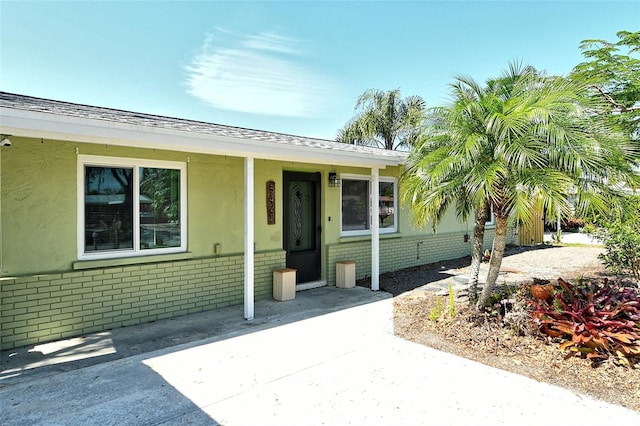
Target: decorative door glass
{"x": 302, "y": 235}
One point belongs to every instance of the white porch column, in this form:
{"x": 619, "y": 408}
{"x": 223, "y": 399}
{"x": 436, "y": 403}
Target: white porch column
{"x": 375, "y": 230}
{"x": 248, "y": 238}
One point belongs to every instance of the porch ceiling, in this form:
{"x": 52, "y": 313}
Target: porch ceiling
{"x": 42, "y": 118}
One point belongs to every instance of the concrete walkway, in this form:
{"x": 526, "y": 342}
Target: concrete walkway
{"x": 572, "y": 238}
{"x": 335, "y": 363}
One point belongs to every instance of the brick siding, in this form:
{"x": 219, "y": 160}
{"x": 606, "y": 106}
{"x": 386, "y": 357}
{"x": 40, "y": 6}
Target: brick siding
{"x": 36, "y": 309}
{"x": 399, "y": 253}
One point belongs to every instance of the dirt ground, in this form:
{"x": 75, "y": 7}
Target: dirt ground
{"x": 470, "y": 335}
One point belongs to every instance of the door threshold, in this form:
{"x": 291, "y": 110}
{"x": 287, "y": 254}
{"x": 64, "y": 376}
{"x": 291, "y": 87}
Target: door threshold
{"x": 311, "y": 284}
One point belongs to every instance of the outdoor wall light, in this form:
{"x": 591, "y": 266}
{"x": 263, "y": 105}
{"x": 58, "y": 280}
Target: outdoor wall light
{"x": 334, "y": 180}
{"x": 5, "y": 141}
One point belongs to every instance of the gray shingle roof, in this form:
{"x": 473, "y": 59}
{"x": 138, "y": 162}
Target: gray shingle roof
{"x": 48, "y": 106}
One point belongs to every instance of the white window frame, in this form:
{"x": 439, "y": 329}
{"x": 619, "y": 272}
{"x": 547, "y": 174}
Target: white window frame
{"x": 136, "y": 164}
{"x": 367, "y": 178}
{"x": 491, "y": 221}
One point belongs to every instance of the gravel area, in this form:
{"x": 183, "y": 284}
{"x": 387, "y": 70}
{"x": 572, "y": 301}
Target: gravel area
{"x": 520, "y": 264}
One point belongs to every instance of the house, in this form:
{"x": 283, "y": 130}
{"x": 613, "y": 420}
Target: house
{"x": 111, "y": 218}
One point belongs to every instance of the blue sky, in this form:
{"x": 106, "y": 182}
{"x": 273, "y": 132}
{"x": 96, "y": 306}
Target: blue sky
{"x": 292, "y": 67}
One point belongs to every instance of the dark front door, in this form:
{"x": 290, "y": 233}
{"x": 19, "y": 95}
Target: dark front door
{"x": 302, "y": 224}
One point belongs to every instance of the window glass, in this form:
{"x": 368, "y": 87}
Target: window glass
{"x": 108, "y": 208}
{"x": 355, "y": 205}
{"x": 491, "y": 221}
{"x": 159, "y": 208}
{"x": 387, "y": 205}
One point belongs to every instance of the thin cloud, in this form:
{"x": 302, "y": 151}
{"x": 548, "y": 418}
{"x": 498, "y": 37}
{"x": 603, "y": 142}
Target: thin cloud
{"x": 271, "y": 42}
{"x": 261, "y": 74}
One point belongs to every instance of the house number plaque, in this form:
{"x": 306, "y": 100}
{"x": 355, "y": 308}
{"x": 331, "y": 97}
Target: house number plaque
{"x": 271, "y": 203}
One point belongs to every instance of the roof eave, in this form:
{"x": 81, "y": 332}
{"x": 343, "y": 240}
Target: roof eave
{"x": 36, "y": 124}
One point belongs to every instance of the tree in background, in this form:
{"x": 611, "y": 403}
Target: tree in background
{"x": 614, "y": 77}
{"x": 385, "y": 120}
{"x": 522, "y": 142}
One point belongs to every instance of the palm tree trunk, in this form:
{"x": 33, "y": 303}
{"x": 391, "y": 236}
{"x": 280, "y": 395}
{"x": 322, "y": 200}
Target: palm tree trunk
{"x": 499, "y": 244}
{"x": 476, "y": 254}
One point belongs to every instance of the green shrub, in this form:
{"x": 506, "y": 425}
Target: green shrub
{"x": 622, "y": 249}
{"x": 589, "y": 228}
{"x": 436, "y": 313}
{"x": 621, "y": 237}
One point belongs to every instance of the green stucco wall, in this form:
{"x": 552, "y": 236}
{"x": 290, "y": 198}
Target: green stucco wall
{"x": 214, "y": 204}
{"x": 38, "y": 207}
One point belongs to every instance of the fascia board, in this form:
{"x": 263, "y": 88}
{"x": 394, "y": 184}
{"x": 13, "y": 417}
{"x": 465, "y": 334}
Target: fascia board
{"x": 76, "y": 129}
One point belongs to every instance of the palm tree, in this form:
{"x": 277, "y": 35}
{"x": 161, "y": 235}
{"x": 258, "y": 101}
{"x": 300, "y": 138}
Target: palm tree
{"x": 433, "y": 179}
{"x": 522, "y": 142}
{"x": 384, "y": 120}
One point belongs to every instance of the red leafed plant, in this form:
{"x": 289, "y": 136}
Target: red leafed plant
{"x": 596, "y": 320}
